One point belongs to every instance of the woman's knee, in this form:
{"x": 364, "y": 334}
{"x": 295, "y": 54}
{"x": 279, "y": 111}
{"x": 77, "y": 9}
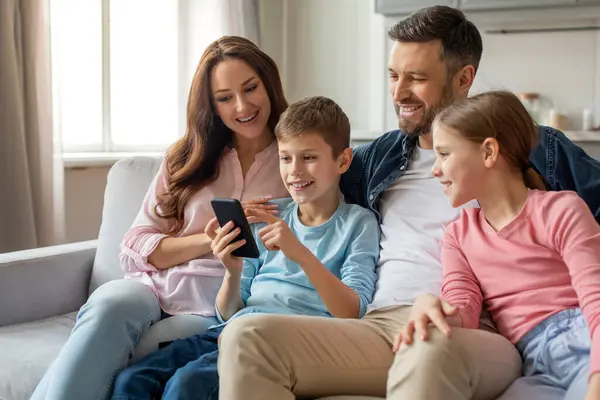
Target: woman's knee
{"x": 121, "y": 301}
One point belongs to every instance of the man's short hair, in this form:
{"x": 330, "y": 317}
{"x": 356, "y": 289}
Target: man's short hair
{"x": 319, "y": 115}
{"x": 461, "y": 40}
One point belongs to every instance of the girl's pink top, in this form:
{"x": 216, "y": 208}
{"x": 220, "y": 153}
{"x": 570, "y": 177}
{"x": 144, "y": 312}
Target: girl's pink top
{"x": 545, "y": 261}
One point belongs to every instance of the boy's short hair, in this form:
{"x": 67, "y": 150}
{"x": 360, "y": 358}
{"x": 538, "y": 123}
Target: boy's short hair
{"x": 316, "y": 115}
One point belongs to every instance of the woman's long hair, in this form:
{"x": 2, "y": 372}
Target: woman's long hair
{"x": 193, "y": 161}
{"x": 499, "y": 115}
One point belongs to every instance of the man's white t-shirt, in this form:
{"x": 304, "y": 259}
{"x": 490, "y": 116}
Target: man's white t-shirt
{"x": 414, "y": 212}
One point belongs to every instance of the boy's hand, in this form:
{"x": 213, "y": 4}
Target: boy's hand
{"x": 260, "y": 204}
{"x": 427, "y": 309}
{"x": 222, "y": 247}
{"x": 277, "y": 235}
{"x": 211, "y": 229}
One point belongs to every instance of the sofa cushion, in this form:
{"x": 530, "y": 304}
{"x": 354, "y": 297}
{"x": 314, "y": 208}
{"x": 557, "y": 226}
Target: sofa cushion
{"x": 127, "y": 184}
{"x": 27, "y": 351}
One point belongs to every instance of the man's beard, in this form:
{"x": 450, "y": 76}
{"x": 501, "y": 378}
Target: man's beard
{"x": 423, "y": 125}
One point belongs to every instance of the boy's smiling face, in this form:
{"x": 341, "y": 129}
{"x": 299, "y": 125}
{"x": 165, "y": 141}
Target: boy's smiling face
{"x": 309, "y": 169}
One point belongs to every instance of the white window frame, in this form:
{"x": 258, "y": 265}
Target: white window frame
{"x": 107, "y": 151}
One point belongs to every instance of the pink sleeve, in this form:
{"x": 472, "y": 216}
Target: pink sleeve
{"x": 577, "y": 237}
{"x": 147, "y": 230}
{"x": 460, "y": 286}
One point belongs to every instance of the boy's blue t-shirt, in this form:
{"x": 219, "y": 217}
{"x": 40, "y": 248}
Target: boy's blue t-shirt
{"x": 347, "y": 244}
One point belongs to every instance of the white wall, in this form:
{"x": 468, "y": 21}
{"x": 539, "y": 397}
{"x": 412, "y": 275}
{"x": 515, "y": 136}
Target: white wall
{"x": 327, "y": 48}
{"x": 564, "y": 67}
{"x": 327, "y": 53}
{"x": 271, "y": 29}
{"x": 339, "y": 48}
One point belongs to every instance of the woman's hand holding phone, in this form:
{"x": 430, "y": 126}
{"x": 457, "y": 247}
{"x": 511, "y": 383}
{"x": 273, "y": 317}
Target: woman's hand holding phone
{"x": 222, "y": 245}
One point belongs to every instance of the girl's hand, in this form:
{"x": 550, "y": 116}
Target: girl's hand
{"x": 427, "y": 309}
{"x": 593, "y": 392}
{"x": 261, "y": 204}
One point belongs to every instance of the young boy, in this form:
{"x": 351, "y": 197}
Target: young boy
{"x": 317, "y": 258}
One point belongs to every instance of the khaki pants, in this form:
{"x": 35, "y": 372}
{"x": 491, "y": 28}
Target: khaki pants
{"x": 281, "y": 357}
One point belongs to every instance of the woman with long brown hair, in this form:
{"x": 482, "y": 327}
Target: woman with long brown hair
{"x": 228, "y": 150}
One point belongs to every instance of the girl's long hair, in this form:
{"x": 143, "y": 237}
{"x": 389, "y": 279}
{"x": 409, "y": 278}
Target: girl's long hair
{"x": 499, "y": 115}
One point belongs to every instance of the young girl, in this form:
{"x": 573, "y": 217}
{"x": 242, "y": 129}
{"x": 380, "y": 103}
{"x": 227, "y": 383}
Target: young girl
{"x": 228, "y": 150}
{"x": 531, "y": 257}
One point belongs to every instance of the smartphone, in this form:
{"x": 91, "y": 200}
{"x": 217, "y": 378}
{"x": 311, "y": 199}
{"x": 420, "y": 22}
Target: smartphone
{"x": 231, "y": 210}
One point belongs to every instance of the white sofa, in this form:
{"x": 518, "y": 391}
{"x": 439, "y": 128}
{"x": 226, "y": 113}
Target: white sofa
{"x": 42, "y": 289}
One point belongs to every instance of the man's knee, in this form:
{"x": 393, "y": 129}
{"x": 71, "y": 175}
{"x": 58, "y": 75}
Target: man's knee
{"x": 418, "y": 367}
{"x": 468, "y": 363}
{"x": 439, "y": 352}
{"x": 437, "y": 347}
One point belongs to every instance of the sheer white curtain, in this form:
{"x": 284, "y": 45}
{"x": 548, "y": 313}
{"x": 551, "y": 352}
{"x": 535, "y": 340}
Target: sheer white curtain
{"x": 207, "y": 20}
{"x": 31, "y": 173}
{"x": 240, "y": 18}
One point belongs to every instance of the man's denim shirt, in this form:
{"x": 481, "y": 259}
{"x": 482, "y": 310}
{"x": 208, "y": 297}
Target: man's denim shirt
{"x": 563, "y": 164}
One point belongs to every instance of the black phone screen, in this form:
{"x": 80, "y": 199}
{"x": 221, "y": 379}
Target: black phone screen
{"x": 231, "y": 210}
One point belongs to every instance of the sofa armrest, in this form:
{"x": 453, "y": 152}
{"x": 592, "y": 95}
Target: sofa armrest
{"x": 44, "y": 282}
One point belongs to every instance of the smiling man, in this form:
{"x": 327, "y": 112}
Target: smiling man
{"x": 433, "y": 62}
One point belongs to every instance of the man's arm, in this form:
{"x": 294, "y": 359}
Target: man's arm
{"x": 566, "y": 166}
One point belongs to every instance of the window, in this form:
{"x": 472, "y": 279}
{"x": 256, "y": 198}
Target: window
{"x": 122, "y": 70}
